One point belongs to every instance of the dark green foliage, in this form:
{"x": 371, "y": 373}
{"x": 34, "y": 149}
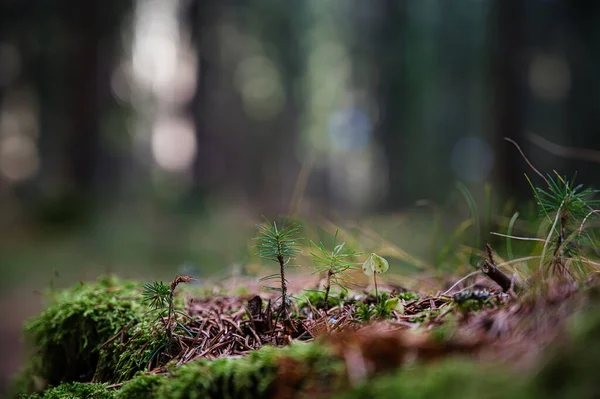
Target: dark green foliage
{"x": 143, "y": 386}
{"x": 312, "y": 366}
{"x": 156, "y": 295}
{"x": 75, "y": 390}
{"x": 68, "y": 335}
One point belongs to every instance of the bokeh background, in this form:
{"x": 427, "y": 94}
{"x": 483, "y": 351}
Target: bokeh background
{"x": 147, "y": 137}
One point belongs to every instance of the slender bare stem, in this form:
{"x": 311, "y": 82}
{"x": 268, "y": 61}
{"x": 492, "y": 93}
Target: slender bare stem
{"x": 283, "y": 286}
{"x": 375, "y": 281}
{"x": 327, "y": 288}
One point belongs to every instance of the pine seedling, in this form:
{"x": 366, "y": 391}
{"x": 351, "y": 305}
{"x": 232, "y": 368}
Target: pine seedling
{"x": 279, "y": 244}
{"x": 335, "y": 264}
{"x": 566, "y": 206}
{"x": 374, "y": 265}
{"x": 160, "y": 297}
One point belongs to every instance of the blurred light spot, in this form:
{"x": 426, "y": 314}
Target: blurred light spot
{"x": 549, "y": 77}
{"x": 155, "y": 44}
{"x": 259, "y": 83}
{"x": 358, "y": 179}
{"x": 10, "y": 64}
{"x": 18, "y": 157}
{"x": 183, "y": 86}
{"x": 174, "y": 144}
{"x": 472, "y": 159}
{"x": 349, "y": 129}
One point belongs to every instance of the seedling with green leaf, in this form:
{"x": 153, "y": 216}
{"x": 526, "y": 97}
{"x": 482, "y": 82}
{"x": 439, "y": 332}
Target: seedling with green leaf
{"x": 334, "y": 264}
{"x": 374, "y": 265}
{"x": 279, "y": 244}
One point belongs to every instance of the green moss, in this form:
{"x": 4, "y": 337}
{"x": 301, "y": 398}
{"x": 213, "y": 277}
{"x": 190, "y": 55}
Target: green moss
{"x": 572, "y": 369}
{"x": 144, "y": 386}
{"x": 268, "y": 372}
{"x": 69, "y": 334}
{"x": 261, "y": 374}
{"x": 450, "y": 379}
{"x": 316, "y": 299}
{"x": 75, "y": 390}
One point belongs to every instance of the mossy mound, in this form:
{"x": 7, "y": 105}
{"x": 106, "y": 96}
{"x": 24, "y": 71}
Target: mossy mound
{"x": 76, "y": 390}
{"x": 72, "y": 337}
{"x": 101, "y": 332}
{"x": 300, "y": 369}
{"x": 449, "y": 379}
{"x": 265, "y": 373}
{"x": 312, "y": 369}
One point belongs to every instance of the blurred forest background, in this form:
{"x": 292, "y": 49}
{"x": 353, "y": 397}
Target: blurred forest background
{"x": 148, "y": 136}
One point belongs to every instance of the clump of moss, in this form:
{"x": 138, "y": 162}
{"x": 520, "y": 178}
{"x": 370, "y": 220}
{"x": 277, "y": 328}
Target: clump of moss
{"x": 143, "y": 386}
{"x": 450, "y": 379}
{"x": 572, "y": 370}
{"x": 316, "y": 299}
{"x": 268, "y": 372}
{"x": 76, "y": 390}
{"x": 71, "y": 336}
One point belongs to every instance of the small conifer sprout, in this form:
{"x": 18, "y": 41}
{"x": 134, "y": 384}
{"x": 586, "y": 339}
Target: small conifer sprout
{"x": 280, "y": 244}
{"x": 374, "y": 265}
{"x": 335, "y": 264}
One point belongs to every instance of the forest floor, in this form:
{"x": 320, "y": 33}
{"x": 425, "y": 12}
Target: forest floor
{"x": 360, "y": 336}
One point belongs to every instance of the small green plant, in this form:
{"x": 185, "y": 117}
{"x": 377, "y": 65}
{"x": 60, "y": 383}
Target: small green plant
{"x": 364, "y": 312}
{"x": 374, "y": 265}
{"x": 279, "y": 244}
{"x": 334, "y": 264}
{"x": 386, "y": 305}
{"x": 160, "y": 297}
{"x": 567, "y": 207}
{"x": 316, "y": 298}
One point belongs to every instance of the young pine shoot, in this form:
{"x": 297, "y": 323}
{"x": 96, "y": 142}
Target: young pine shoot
{"x": 334, "y": 264}
{"x": 160, "y": 297}
{"x": 279, "y": 244}
{"x": 374, "y": 265}
{"x": 566, "y": 205}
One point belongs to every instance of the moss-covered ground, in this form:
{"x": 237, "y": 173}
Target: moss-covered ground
{"x": 98, "y": 340}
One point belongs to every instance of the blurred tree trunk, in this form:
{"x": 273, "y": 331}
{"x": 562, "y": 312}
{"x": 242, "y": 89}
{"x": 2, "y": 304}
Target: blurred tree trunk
{"x": 507, "y": 41}
{"x": 583, "y": 101}
{"x": 200, "y": 16}
{"x": 83, "y": 68}
{"x": 389, "y": 42}
{"x": 284, "y": 31}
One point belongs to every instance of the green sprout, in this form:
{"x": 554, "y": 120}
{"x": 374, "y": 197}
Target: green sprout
{"x": 160, "y": 297}
{"x": 364, "y": 312}
{"x": 335, "y": 264}
{"x": 156, "y": 295}
{"x": 374, "y": 265}
{"x": 279, "y": 244}
{"x": 566, "y": 206}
